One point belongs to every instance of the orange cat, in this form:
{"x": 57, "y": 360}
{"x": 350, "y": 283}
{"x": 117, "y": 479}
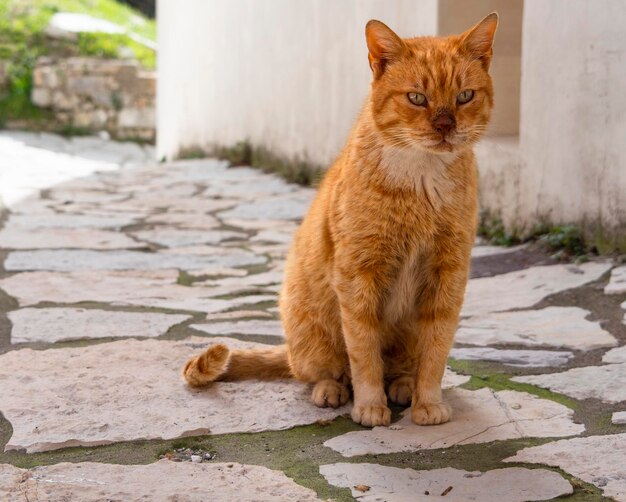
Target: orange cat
{"x": 376, "y": 274}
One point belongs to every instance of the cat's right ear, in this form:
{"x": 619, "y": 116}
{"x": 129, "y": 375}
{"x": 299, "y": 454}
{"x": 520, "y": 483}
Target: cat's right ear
{"x": 383, "y": 44}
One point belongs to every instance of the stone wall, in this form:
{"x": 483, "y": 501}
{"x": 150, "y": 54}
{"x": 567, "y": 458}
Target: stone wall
{"x": 95, "y": 94}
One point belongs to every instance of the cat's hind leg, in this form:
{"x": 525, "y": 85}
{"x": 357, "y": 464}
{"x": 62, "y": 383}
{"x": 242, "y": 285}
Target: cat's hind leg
{"x": 401, "y": 389}
{"x": 400, "y": 363}
{"x": 318, "y": 356}
{"x": 330, "y": 393}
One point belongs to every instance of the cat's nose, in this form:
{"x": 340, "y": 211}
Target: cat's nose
{"x": 444, "y": 123}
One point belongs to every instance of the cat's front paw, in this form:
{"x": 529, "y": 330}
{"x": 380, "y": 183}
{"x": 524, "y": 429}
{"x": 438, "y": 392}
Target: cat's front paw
{"x": 370, "y": 416}
{"x": 430, "y": 413}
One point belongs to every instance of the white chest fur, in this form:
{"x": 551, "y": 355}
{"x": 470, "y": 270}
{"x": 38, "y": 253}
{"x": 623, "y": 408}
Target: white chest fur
{"x": 401, "y": 298}
{"x": 425, "y": 172}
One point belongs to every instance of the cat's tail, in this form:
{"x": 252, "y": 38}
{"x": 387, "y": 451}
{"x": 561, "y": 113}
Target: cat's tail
{"x": 218, "y": 362}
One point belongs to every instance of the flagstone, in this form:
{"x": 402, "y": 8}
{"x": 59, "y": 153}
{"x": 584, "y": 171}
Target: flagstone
{"x": 598, "y": 460}
{"x": 154, "y": 288}
{"x": 172, "y": 238}
{"x": 94, "y": 181}
{"x": 73, "y": 260}
{"x": 155, "y": 180}
{"x": 251, "y": 300}
{"x": 55, "y": 220}
{"x": 48, "y": 238}
{"x": 256, "y": 327}
{"x": 200, "y": 249}
{"x": 185, "y": 220}
{"x": 280, "y": 237}
{"x": 194, "y": 204}
{"x": 617, "y": 282}
{"x": 607, "y": 383}
{"x": 217, "y": 171}
{"x": 249, "y": 187}
{"x": 202, "y": 169}
{"x": 274, "y": 251}
{"x": 262, "y": 279}
{"x": 217, "y": 271}
{"x": 565, "y": 327}
{"x": 619, "y": 418}
{"x": 517, "y": 358}
{"x": 106, "y": 393}
{"x": 248, "y": 224}
{"x": 65, "y": 194}
{"x": 238, "y": 314}
{"x": 479, "y": 416}
{"x": 452, "y": 379}
{"x": 373, "y": 482}
{"x": 112, "y": 209}
{"x": 64, "y": 324}
{"x": 617, "y": 355}
{"x": 284, "y": 208}
{"x": 166, "y": 188}
{"x": 163, "y": 480}
{"x": 525, "y": 288}
{"x": 32, "y": 206}
{"x": 232, "y": 291}
{"x": 483, "y": 250}
{"x": 108, "y": 210}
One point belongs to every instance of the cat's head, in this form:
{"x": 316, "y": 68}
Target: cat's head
{"x": 433, "y": 93}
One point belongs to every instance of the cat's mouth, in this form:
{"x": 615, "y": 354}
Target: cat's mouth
{"x": 443, "y": 145}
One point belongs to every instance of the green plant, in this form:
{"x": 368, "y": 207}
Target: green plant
{"x": 113, "y": 46}
{"x": 238, "y": 155}
{"x": 72, "y": 130}
{"x": 493, "y": 230}
{"x": 190, "y": 153}
{"x": 567, "y": 238}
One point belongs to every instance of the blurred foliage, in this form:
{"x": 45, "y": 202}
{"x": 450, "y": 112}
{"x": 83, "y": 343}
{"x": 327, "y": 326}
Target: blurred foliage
{"x": 566, "y": 238}
{"x": 22, "y": 41}
{"x": 565, "y": 241}
{"x": 493, "y": 231}
{"x": 109, "y": 46}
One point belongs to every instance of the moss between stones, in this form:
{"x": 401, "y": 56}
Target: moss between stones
{"x": 502, "y": 382}
{"x": 184, "y": 279}
{"x": 297, "y": 452}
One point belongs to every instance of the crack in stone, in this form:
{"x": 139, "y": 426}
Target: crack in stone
{"x": 507, "y": 411}
{"x": 511, "y": 420}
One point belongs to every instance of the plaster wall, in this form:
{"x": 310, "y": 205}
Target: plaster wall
{"x": 288, "y": 76}
{"x": 573, "y": 114}
{"x": 291, "y": 77}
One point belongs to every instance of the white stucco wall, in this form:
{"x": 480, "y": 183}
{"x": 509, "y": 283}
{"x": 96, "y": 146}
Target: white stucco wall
{"x": 287, "y": 75}
{"x": 569, "y": 165}
{"x": 573, "y": 115}
{"x": 291, "y": 76}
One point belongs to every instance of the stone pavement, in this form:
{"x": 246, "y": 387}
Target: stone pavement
{"x": 116, "y": 269}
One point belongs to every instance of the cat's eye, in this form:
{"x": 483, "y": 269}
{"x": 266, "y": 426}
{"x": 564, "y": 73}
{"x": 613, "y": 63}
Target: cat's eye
{"x": 417, "y": 98}
{"x": 465, "y": 96}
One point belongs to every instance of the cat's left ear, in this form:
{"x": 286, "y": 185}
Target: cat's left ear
{"x": 383, "y": 44}
{"x": 478, "y": 41}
